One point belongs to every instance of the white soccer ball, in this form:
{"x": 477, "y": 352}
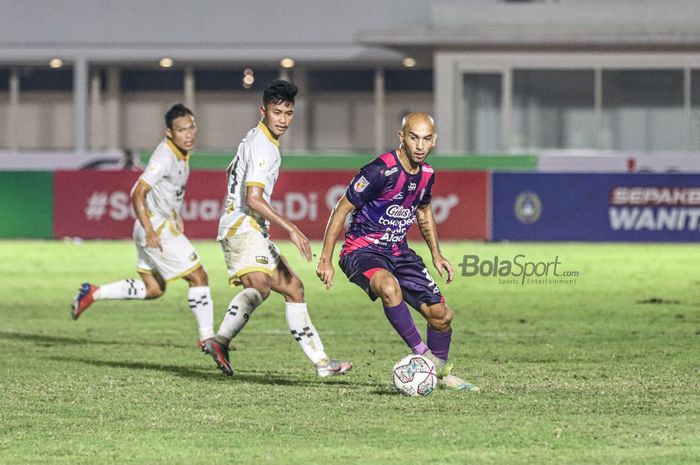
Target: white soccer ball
{"x": 414, "y": 375}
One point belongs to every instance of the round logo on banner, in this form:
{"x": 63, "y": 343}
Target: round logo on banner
{"x": 528, "y": 207}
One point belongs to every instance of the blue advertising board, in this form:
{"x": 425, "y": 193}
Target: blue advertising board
{"x": 595, "y": 207}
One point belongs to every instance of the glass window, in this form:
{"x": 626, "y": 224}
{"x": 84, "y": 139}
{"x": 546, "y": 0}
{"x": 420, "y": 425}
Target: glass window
{"x": 482, "y": 112}
{"x": 341, "y": 80}
{"x": 695, "y": 110}
{"x": 4, "y": 80}
{"x": 643, "y": 110}
{"x": 135, "y": 80}
{"x": 409, "y": 80}
{"x": 31, "y": 78}
{"x": 553, "y": 109}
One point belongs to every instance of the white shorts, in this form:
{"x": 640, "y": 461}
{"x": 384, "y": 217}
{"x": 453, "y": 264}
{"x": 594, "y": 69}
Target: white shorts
{"x": 177, "y": 259}
{"x": 247, "y": 252}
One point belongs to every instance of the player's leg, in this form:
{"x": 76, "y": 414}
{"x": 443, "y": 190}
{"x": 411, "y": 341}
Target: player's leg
{"x": 248, "y": 260}
{"x": 201, "y": 303}
{"x": 423, "y": 294}
{"x": 385, "y": 285}
{"x": 256, "y": 288}
{"x": 150, "y": 286}
{"x": 178, "y": 259}
{"x": 286, "y": 282}
{"x": 256, "y": 284}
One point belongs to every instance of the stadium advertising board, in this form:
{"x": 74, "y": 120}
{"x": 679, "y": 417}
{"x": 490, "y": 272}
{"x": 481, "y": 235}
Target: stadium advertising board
{"x": 596, "y": 207}
{"x": 95, "y": 204}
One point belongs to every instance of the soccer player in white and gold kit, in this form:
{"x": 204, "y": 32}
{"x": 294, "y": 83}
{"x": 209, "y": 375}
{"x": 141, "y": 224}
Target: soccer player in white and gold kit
{"x": 164, "y": 252}
{"x": 252, "y": 259}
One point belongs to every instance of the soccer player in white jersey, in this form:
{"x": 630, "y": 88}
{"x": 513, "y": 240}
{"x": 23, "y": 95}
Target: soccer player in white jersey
{"x": 164, "y": 252}
{"x": 252, "y": 259}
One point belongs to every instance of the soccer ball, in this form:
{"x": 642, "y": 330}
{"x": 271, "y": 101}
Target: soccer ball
{"x": 414, "y": 375}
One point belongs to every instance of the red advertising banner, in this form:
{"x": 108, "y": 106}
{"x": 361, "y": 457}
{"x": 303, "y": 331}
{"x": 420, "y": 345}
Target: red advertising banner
{"x": 95, "y": 204}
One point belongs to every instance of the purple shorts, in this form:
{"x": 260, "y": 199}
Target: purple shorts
{"x": 417, "y": 286}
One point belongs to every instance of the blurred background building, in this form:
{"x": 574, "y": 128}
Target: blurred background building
{"x": 501, "y": 76}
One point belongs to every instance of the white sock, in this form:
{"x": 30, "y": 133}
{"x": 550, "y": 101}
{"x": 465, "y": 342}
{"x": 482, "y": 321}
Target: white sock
{"x": 203, "y": 309}
{"x": 303, "y": 330}
{"x": 239, "y": 311}
{"x": 124, "y": 289}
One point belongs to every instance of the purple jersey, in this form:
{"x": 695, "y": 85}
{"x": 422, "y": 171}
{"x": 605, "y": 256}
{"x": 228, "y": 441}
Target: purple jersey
{"x": 385, "y": 197}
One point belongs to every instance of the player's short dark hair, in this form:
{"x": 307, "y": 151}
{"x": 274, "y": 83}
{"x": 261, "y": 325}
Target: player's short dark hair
{"x": 176, "y": 111}
{"x": 280, "y": 91}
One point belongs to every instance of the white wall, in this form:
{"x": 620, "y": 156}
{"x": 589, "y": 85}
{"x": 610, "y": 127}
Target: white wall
{"x": 339, "y": 121}
{"x": 46, "y": 120}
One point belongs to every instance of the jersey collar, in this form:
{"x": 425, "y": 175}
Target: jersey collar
{"x": 267, "y": 132}
{"x": 179, "y": 153}
{"x": 398, "y": 162}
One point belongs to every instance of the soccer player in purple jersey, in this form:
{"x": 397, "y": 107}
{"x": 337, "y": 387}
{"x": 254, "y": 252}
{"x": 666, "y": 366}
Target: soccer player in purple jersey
{"x": 385, "y": 198}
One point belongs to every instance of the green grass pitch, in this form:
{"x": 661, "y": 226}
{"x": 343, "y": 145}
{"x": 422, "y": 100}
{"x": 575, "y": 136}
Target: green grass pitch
{"x": 601, "y": 371}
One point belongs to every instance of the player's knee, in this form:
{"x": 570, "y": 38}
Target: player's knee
{"x": 390, "y": 290}
{"x": 295, "y": 292}
{"x": 153, "y": 292}
{"x": 198, "y": 278}
{"x": 440, "y": 317}
{"x": 258, "y": 281}
{"x": 264, "y": 291}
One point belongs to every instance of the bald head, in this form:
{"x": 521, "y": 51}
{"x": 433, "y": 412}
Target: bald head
{"x": 417, "y": 137}
{"x": 417, "y": 118}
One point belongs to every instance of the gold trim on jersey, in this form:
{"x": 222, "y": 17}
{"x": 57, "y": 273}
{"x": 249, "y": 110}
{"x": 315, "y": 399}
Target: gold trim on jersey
{"x": 179, "y": 153}
{"x": 159, "y": 229}
{"x": 255, "y": 183}
{"x": 254, "y": 224}
{"x": 141, "y": 270}
{"x": 185, "y": 273}
{"x": 267, "y": 132}
{"x": 145, "y": 183}
{"x": 235, "y": 280}
{"x": 232, "y": 230}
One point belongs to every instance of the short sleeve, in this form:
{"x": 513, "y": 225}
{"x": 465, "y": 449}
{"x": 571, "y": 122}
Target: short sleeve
{"x": 366, "y": 186}
{"x": 260, "y": 164}
{"x": 158, "y": 166}
{"x": 427, "y": 196}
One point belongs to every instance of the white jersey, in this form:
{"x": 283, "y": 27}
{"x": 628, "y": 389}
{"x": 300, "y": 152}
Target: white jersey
{"x": 257, "y": 163}
{"x": 166, "y": 174}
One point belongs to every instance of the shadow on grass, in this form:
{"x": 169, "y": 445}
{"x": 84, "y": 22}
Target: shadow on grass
{"x": 257, "y": 377}
{"x": 48, "y": 340}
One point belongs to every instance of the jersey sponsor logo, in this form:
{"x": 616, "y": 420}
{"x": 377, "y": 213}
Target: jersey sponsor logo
{"x": 391, "y": 171}
{"x": 397, "y": 211}
{"x": 153, "y": 167}
{"x": 361, "y": 184}
{"x": 412, "y": 186}
{"x": 193, "y": 257}
{"x": 262, "y": 163}
{"x": 262, "y": 259}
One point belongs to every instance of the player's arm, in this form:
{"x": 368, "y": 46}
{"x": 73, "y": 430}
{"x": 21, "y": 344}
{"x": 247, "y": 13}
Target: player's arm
{"x": 256, "y": 201}
{"x": 138, "y": 200}
{"x": 428, "y": 228}
{"x": 324, "y": 270}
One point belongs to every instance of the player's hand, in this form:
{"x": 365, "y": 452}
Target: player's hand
{"x": 153, "y": 240}
{"x": 302, "y": 243}
{"x": 325, "y": 271}
{"x": 180, "y": 224}
{"x": 444, "y": 266}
